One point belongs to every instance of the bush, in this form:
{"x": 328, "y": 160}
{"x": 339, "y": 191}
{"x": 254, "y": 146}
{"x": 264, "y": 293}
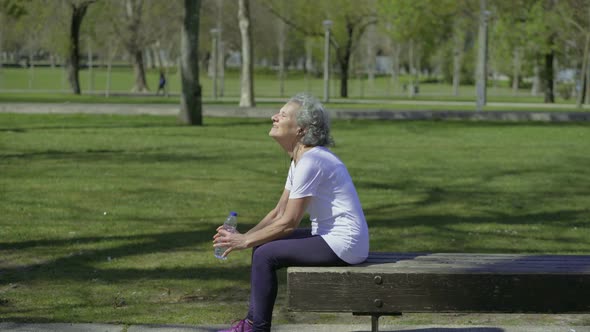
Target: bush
{"x": 565, "y": 90}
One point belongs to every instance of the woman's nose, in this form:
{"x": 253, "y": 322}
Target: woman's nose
{"x": 274, "y": 118}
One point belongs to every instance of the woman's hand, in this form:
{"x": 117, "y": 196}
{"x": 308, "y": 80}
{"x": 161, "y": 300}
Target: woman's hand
{"x": 229, "y": 240}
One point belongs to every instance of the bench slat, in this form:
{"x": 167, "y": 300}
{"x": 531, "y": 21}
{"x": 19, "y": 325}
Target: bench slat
{"x": 391, "y": 282}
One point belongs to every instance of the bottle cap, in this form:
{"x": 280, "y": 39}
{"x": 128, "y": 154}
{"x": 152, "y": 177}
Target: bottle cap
{"x": 235, "y": 214}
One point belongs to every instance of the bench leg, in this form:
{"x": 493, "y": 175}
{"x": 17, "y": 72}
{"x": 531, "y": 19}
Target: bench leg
{"x": 374, "y": 323}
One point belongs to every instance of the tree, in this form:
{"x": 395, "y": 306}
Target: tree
{"x": 463, "y": 22}
{"x": 138, "y": 25}
{"x": 421, "y": 26}
{"x": 510, "y": 39}
{"x": 247, "y": 81}
{"x": 577, "y": 15}
{"x": 543, "y": 29}
{"x": 134, "y": 43}
{"x": 191, "y": 98}
{"x": 482, "y": 56}
{"x": 78, "y": 12}
{"x": 9, "y": 11}
{"x": 350, "y": 20}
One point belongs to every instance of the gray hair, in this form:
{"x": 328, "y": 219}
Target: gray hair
{"x": 314, "y": 120}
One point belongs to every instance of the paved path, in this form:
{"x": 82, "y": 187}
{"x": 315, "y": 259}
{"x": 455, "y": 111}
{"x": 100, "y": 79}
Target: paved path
{"x": 225, "y": 110}
{"x": 24, "y": 327}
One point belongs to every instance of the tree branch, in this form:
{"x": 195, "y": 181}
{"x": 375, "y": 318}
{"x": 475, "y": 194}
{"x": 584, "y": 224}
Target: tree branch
{"x": 292, "y": 24}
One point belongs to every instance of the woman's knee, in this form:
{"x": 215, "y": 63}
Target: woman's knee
{"x": 265, "y": 254}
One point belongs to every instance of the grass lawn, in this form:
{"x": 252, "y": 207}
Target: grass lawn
{"x": 110, "y": 218}
{"x": 45, "y": 84}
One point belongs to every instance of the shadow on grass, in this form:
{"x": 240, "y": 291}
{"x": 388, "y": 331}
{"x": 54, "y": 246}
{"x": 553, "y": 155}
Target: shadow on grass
{"x": 109, "y": 156}
{"x": 441, "y": 226}
{"x": 113, "y": 121}
{"x": 80, "y": 265}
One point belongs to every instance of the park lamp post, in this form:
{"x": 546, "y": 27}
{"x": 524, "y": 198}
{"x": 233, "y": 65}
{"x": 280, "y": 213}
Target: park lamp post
{"x": 327, "y": 25}
{"x": 214, "y": 48}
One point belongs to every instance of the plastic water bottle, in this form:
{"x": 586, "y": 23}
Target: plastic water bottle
{"x": 230, "y": 225}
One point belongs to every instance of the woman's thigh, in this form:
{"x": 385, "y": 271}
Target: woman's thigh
{"x": 299, "y": 249}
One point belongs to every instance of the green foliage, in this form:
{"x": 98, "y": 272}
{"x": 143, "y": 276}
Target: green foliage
{"x": 13, "y": 8}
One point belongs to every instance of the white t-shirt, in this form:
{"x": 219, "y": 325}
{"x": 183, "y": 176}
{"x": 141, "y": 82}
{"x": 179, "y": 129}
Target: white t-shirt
{"x": 335, "y": 210}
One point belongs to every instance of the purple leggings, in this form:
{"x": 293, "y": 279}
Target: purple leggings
{"x": 300, "y": 248}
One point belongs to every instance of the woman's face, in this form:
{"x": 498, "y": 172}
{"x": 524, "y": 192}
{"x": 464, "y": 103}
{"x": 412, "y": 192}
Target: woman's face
{"x": 284, "y": 124}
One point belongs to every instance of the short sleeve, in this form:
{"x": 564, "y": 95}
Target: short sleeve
{"x": 306, "y": 178}
{"x": 289, "y": 182}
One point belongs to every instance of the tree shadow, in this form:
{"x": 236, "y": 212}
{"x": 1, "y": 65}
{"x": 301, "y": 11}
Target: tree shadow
{"x": 97, "y": 155}
{"x": 80, "y": 266}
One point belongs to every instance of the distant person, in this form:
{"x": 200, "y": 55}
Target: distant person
{"x": 162, "y": 85}
{"x": 317, "y": 183}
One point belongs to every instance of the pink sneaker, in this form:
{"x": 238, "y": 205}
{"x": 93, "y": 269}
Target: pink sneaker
{"x": 240, "y": 326}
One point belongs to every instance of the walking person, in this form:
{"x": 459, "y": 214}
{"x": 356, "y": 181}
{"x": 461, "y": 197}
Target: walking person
{"x": 162, "y": 85}
{"x": 317, "y": 183}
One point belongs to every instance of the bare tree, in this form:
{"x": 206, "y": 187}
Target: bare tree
{"x": 133, "y": 43}
{"x": 247, "y": 84}
{"x": 191, "y": 98}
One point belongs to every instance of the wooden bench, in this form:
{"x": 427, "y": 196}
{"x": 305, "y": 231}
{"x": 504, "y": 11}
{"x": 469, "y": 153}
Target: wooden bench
{"x": 393, "y": 283}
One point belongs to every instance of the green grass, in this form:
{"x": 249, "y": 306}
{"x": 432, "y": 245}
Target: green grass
{"x": 50, "y": 84}
{"x": 110, "y": 218}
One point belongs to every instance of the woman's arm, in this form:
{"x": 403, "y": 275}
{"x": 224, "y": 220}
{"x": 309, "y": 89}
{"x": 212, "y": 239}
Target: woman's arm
{"x": 273, "y": 214}
{"x": 279, "y": 227}
{"x": 282, "y": 226}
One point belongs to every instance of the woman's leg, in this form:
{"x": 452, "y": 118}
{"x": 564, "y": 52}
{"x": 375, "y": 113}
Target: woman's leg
{"x": 298, "y": 233}
{"x": 298, "y": 249}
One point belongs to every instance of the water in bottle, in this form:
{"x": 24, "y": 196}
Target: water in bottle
{"x": 230, "y": 225}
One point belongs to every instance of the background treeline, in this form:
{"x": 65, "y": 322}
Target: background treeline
{"x": 541, "y": 45}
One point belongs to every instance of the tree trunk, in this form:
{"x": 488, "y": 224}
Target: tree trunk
{"x": 345, "y": 61}
{"x": 412, "y": 68}
{"x": 395, "y": 63}
{"x": 90, "y": 67}
{"x": 247, "y": 84}
{"x": 371, "y": 56}
{"x": 482, "y": 57}
{"x": 220, "y": 49}
{"x": 308, "y": 68}
{"x": 73, "y": 62}
{"x": 1, "y": 52}
{"x": 548, "y": 77}
{"x": 133, "y": 10}
{"x": 191, "y": 97}
{"x": 31, "y": 70}
{"x": 111, "y": 53}
{"x": 457, "y": 60}
{"x": 536, "y": 79}
{"x": 107, "y": 90}
{"x": 157, "y": 58}
{"x": 221, "y": 67}
{"x": 281, "y": 56}
{"x": 139, "y": 70}
{"x": 344, "y": 79}
{"x": 586, "y": 71}
{"x": 515, "y": 71}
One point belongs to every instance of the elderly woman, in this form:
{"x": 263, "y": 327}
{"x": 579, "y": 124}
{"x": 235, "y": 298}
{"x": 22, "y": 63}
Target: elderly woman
{"x": 317, "y": 183}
